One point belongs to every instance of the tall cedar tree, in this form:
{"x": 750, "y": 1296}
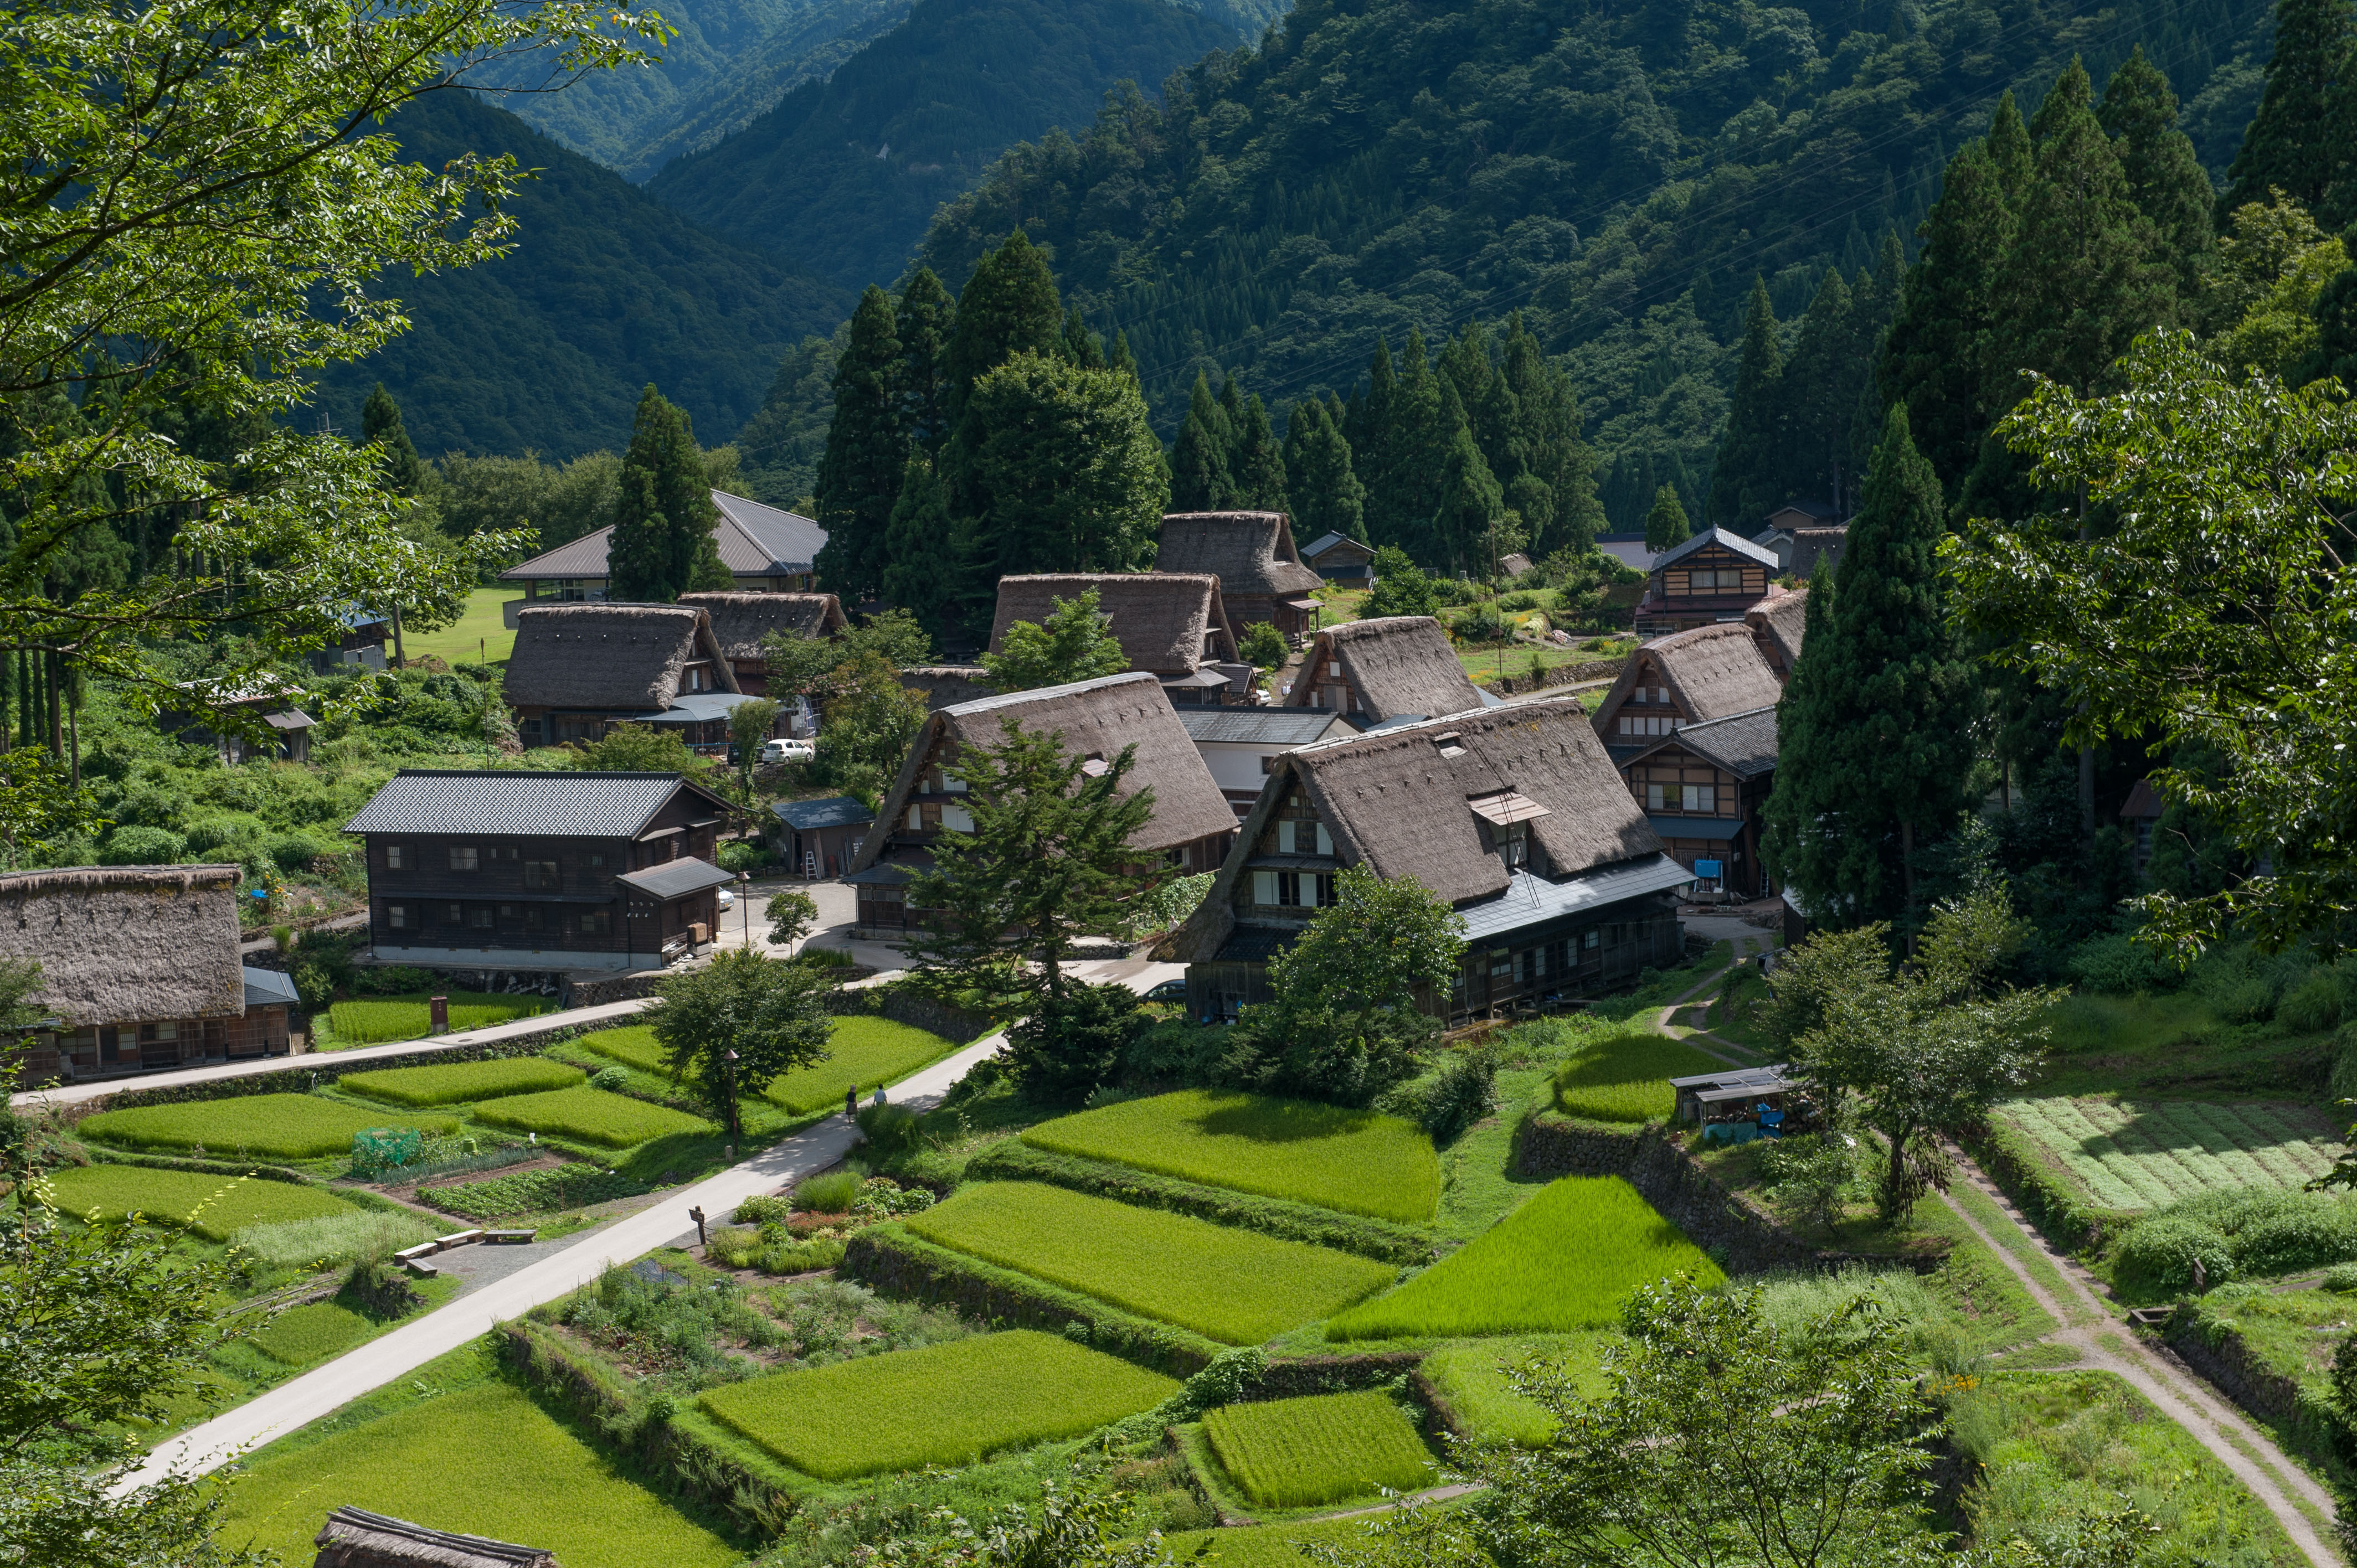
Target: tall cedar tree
{"x": 1323, "y": 488}
{"x": 921, "y": 323}
{"x": 1367, "y": 425}
{"x": 1877, "y": 305}
{"x": 866, "y": 451}
{"x": 2294, "y": 144}
{"x": 2165, "y": 176}
{"x": 1258, "y": 464}
{"x": 1818, "y": 410}
{"x": 381, "y": 425}
{"x": 917, "y": 574}
{"x": 662, "y": 545}
{"x": 1470, "y": 503}
{"x": 1666, "y": 523}
{"x": 1747, "y": 481}
{"x": 1007, "y": 307}
{"x": 1552, "y": 481}
{"x": 1877, "y": 724}
{"x": 1417, "y": 456}
{"x": 1200, "y": 480}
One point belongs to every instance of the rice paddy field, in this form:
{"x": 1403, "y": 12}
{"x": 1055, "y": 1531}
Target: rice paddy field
{"x": 591, "y": 1115}
{"x": 2144, "y": 1154}
{"x": 1300, "y": 1452}
{"x": 381, "y": 1019}
{"x": 281, "y": 1126}
{"x": 451, "y": 1082}
{"x": 302, "y": 1335}
{"x": 1236, "y": 1286}
{"x": 214, "y": 1207}
{"x": 1474, "y": 1378}
{"x": 1266, "y": 1545}
{"x": 1564, "y": 1261}
{"x": 331, "y": 1238}
{"x": 485, "y": 1460}
{"x": 1356, "y": 1161}
{"x": 1626, "y": 1077}
{"x": 941, "y": 1404}
{"x": 634, "y": 1047}
{"x": 865, "y": 1053}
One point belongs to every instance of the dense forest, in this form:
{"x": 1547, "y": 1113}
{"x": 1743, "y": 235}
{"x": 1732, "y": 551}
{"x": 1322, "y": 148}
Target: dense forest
{"x": 1621, "y": 176}
{"x": 606, "y": 291}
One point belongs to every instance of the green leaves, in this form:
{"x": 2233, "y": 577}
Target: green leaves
{"x": 770, "y": 1014}
{"x": 1075, "y": 643}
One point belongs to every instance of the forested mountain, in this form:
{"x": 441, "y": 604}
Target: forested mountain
{"x": 843, "y": 175}
{"x": 606, "y": 291}
{"x": 1621, "y": 174}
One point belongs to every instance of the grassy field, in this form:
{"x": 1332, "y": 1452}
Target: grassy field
{"x": 451, "y": 1082}
{"x": 1352, "y": 1160}
{"x": 1265, "y": 1545}
{"x": 302, "y": 1335}
{"x": 477, "y": 633}
{"x": 1300, "y": 1452}
{"x": 2146, "y": 1154}
{"x": 1564, "y": 1260}
{"x": 214, "y": 1207}
{"x": 591, "y": 1115}
{"x": 1236, "y": 1286}
{"x": 386, "y": 1018}
{"x": 332, "y": 1237}
{"x": 1472, "y": 1378}
{"x": 1626, "y": 1077}
{"x": 942, "y": 1404}
{"x": 865, "y": 1053}
{"x": 283, "y": 1126}
{"x": 485, "y": 1460}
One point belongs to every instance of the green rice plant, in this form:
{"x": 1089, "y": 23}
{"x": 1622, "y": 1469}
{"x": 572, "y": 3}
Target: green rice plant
{"x": 449, "y": 1083}
{"x": 302, "y": 1335}
{"x": 214, "y": 1207}
{"x": 635, "y": 1046}
{"x": 1267, "y": 1545}
{"x": 283, "y": 1126}
{"x": 592, "y": 1115}
{"x": 1298, "y": 1452}
{"x": 942, "y": 1404}
{"x": 1356, "y": 1161}
{"x": 540, "y": 1191}
{"x": 1565, "y": 1260}
{"x": 355, "y": 1235}
{"x": 1237, "y": 1286}
{"x": 381, "y": 1019}
{"x": 1474, "y": 1377}
{"x": 1626, "y": 1077}
{"x": 484, "y": 1460}
{"x": 864, "y": 1053}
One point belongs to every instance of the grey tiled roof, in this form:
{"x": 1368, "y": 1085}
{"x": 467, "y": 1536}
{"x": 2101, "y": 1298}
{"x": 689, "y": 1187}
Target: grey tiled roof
{"x": 677, "y": 879}
{"x": 1528, "y": 899}
{"x": 1744, "y": 744}
{"x": 584, "y": 805}
{"x": 267, "y": 988}
{"x": 1741, "y": 546}
{"x": 755, "y": 541}
{"x": 834, "y": 812}
{"x": 1264, "y": 726}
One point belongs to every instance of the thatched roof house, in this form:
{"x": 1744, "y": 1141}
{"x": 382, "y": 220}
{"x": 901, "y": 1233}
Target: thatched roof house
{"x": 1513, "y": 815}
{"x": 1097, "y": 720}
{"x": 1777, "y": 624}
{"x": 1171, "y": 625}
{"x": 579, "y": 669}
{"x": 946, "y": 685}
{"x": 355, "y": 1538}
{"x": 740, "y": 621}
{"x": 1708, "y": 672}
{"x": 1373, "y": 672}
{"x": 1261, "y": 577}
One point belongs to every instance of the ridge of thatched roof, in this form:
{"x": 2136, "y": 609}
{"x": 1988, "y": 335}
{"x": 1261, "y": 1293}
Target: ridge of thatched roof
{"x": 1397, "y": 664}
{"x": 355, "y": 1538}
{"x": 1781, "y": 618}
{"x": 945, "y": 686}
{"x": 124, "y": 943}
{"x": 739, "y": 621}
{"x": 605, "y": 655}
{"x": 1712, "y": 672}
{"x": 1096, "y": 718}
{"x": 1168, "y": 622}
{"x": 1250, "y": 552}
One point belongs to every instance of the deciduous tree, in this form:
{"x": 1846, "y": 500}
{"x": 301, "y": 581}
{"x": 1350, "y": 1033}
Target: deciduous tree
{"x": 1075, "y": 643}
{"x": 738, "y": 1023}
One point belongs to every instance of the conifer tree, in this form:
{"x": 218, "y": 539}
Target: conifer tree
{"x": 1367, "y": 426}
{"x": 1232, "y": 413}
{"x": 1007, "y": 307}
{"x": 1875, "y": 732}
{"x": 1081, "y": 346}
{"x": 921, "y": 323}
{"x": 1417, "y": 452}
{"x": 1666, "y": 523}
{"x": 1748, "y": 477}
{"x": 1932, "y": 357}
{"x": 663, "y": 517}
{"x": 1471, "y": 504}
{"x": 2011, "y": 149}
{"x": 1121, "y": 358}
{"x": 916, "y": 570}
{"x": 1323, "y": 491}
{"x": 1258, "y": 476}
{"x": 405, "y": 472}
{"x": 2293, "y": 143}
{"x": 1547, "y": 446}
{"x": 1818, "y": 398}
{"x": 1876, "y": 306}
{"x": 2165, "y": 176}
{"x": 1200, "y": 480}
{"x": 866, "y": 451}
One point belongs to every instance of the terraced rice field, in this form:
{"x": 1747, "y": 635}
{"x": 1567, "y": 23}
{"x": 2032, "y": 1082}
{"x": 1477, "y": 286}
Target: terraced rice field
{"x": 1476, "y": 1377}
{"x": 2144, "y": 1154}
{"x": 450, "y": 1082}
{"x": 368, "y": 1023}
{"x": 278, "y": 1126}
{"x": 863, "y": 1053}
{"x": 1356, "y": 1161}
{"x": 211, "y": 1206}
{"x": 1300, "y": 1452}
{"x": 1626, "y": 1077}
{"x": 944, "y": 1404}
{"x": 591, "y": 1115}
{"x": 302, "y": 1335}
{"x": 1237, "y": 1286}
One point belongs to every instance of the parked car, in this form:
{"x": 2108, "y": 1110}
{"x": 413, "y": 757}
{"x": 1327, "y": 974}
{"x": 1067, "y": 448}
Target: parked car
{"x": 1168, "y": 990}
{"x": 727, "y": 899}
{"x": 777, "y": 751}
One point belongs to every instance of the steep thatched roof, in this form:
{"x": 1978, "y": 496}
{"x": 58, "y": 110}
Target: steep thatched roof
{"x": 1168, "y": 622}
{"x": 1777, "y": 622}
{"x": 946, "y": 685}
{"x": 355, "y": 1538}
{"x": 739, "y": 621}
{"x": 603, "y": 656}
{"x": 119, "y": 944}
{"x": 1711, "y": 672}
{"x": 1397, "y": 665}
{"x": 1250, "y": 552}
{"x": 1096, "y": 718}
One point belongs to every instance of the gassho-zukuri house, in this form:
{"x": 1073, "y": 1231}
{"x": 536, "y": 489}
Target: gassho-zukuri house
{"x": 579, "y": 670}
{"x": 1514, "y": 815}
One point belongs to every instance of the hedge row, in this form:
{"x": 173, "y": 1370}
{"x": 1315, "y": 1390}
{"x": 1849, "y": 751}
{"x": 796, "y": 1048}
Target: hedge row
{"x": 1014, "y": 1160}
{"x": 2021, "y": 1171}
{"x": 897, "y": 1261}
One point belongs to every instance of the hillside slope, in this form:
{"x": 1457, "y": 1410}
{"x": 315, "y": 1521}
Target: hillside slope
{"x": 843, "y": 175}
{"x": 605, "y": 290}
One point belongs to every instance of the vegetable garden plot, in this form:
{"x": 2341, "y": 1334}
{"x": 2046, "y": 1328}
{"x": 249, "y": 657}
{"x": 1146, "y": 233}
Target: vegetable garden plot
{"x": 450, "y": 1082}
{"x": 1626, "y": 1077}
{"x": 1298, "y": 1452}
{"x": 220, "y": 1205}
{"x": 592, "y": 1115}
{"x": 281, "y": 1126}
{"x": 1236, "y": 1286}
{"x": 1356, "y": 1161}
{"x": 1565, "y": 1260}
{"x": 2148, "y": 1153}
{"x": 944, "y": 1404}
{"x": 864, "y": 1053}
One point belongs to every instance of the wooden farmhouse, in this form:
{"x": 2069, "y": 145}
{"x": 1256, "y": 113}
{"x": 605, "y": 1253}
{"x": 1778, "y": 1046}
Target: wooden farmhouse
{"x": 1190, "y": 828}
{"x": 1713, "y": 576}
{"x": 816, "y": 839}
{"x": 1798, "y": 549}
{"x": 1513, "y": 815}
{"x": 1777, "y": 624}
{"x": 1172, "y": 626}
{"x": 579, "y": 670}
{"x": 1709, "y": 672}
{"x": 540, "y": 871}
{"x": 1341, "y": 560}
{"x": 355, "y": 1538}
{"x": 1240, "y": 745}
{"x": 359, "y": 645}
{"x": 274, "y": 729}
{"x": 140, "y": 970}
{"x": 1261, "y": 577}
{"x": 740, "y": 622}
{"x": 1702, "y": 788}
{"x": 1378, "y": 671}
{"x": 765, "y": 549}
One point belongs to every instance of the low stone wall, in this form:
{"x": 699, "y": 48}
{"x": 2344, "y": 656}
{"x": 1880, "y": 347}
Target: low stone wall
{"x": 2269, "y": 1395}
{"x": 906, "y": 1004}
{"x": 620, "y": 988}
{"x": 1577, "y": 674}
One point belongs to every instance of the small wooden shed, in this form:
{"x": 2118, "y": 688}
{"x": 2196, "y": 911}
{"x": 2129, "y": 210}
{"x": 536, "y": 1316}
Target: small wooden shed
{"x": 355, "y": 1538}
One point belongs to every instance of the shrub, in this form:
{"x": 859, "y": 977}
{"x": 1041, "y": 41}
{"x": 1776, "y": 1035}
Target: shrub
{"x": 214, "y": 1207}
{"x": 825, "y": 957}
{"x": 142, "y": 846}
{"x": 611, "y": 1079}
{"x": 360, "y": 1236}
{"x": 591, "y": 1115}
{"x": 764, "y": 1209}
{"x": 2158, "y": 1255}
{"x": 1073, "y": 1041}
{"x": 1298, "y": 1452}
{"x": 1465, "y": 1091}
{"x": 288, "y": 1126}
{"x": 750, "y": 1250}
{"x": 741, "y": 855}
{"x": 833, "y": 1193}
{"x": 2313, "y": 1006}
{"x": 2341, "y": 1279}
{"x": 445, "y": 1083}
{"x": 890, "y": 1132}
{"x": 2120, "y": 966}
{"x": 881, "y": 1197}
{"x": 1175, "y": 1050}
